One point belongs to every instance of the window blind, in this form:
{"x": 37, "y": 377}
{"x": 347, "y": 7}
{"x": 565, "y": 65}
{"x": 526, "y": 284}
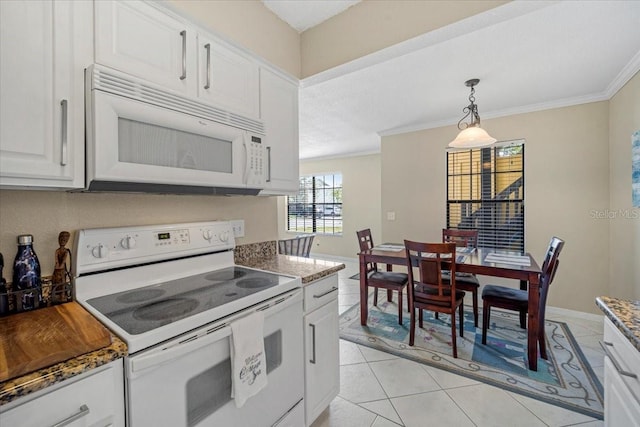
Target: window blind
{"x": 485, "y": 191}
{"x": 317, "y": 208}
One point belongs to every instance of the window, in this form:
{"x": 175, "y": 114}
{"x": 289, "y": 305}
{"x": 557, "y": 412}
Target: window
{"x": 317, "y": 208}
{"x": 485, "y": 191}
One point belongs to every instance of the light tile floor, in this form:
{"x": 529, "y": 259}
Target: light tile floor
{"x": 380, "y": 390}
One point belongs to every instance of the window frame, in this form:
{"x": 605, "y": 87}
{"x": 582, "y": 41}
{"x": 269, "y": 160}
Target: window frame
{"x": 316, "y": 208}
{"x": 490, "y": 235}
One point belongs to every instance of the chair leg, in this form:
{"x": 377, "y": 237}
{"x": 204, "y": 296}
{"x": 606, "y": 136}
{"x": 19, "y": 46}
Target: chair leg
{"x": 485, "y": 320}
{"x": 475, "y": 306}
{"x": 420, "y": 315}
{"x": 412, "y": 327}
{"x": 461, "y": 314}
{"x": 400, "y": 306}
{"x": 453, "y": 334}
{"x": 436, "y": 314}
{"x": 523, "y": 319}
{"x": 389, "y": 299}
{"x": 543, "y": 344}
{"x": 375, "y": 296}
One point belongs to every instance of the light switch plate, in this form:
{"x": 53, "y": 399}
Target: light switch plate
{"x": 238, "y": 227}
{"x": 391, "y": 216}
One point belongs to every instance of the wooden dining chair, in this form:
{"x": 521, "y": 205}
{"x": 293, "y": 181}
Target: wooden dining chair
{"x": 389, "y": 280}
{"x": 464, "y": 281}
{"x": 518, "y": 299}
{"x": 430, "y": 292}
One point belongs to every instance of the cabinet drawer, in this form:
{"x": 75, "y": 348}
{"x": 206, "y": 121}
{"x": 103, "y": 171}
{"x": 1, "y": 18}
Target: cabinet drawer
{"x": 320, "y": 292}
{"x": 91, "y": 399}
{"x": 626, "y": 356}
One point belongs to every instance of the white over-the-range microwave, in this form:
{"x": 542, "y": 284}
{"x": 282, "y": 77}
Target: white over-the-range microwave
{"x": 143, "y": 138}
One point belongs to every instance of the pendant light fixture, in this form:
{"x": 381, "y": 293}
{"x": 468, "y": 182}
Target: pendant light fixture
{"x": 471, "y": 134}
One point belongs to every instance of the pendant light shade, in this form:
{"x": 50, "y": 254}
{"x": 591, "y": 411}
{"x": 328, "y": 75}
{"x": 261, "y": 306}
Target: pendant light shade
{"x": 471, "y": 134}
{"x": 472, "y": 137}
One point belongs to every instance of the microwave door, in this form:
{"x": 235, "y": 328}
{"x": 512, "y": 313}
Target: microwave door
{"x": 132, "y": 141}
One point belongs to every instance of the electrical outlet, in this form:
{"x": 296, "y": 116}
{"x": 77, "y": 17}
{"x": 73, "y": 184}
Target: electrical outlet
{"x": 238, "y": 227}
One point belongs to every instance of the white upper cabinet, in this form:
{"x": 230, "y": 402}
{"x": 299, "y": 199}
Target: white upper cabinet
{"x": 45, "y": 46}
{"x": 139, "y": 39}
{"x": 227, "y": 78}
{"x": 279, "y": 111}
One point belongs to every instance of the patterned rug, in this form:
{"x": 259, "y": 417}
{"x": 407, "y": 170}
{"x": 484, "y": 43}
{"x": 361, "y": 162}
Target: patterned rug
{"x": 565, "y": 380}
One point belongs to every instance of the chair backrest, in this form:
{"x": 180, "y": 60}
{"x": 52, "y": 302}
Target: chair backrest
{"x": 366, "y": 242}
{"x": 462, "y": 238}
{"x": 429, "y": 259}
{"x": 549, "y": 269}
{"x": 298, "y": 246}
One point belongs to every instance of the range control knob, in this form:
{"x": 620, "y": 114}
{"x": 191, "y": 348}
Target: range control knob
{"x": 100, "y": 251}
{"x": 208, "y": 235}
{"x": 224, "y": 236}
{"x": 128, "y": 242}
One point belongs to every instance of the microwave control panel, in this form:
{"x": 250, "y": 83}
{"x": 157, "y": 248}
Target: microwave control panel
{"x": 256, "y": 167}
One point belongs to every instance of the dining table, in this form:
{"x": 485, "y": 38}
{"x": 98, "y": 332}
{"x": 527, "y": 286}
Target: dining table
{"x": 475, "y": 263}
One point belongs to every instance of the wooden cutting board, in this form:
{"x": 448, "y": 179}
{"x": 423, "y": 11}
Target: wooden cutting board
{"x": 37, "y": 339}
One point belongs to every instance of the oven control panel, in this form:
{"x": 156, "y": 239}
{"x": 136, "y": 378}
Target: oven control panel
{"x": 106, "y": 248}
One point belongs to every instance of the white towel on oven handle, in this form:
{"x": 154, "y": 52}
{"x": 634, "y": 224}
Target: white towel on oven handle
{"x": 248, "y": 361}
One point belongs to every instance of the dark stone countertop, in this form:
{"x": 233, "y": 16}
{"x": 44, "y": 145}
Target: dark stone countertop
{"x": 26, "y": 384}
{"x": 625, "y": 315}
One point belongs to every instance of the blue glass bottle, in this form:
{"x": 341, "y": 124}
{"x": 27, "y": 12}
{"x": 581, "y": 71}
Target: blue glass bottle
{"x": 26, "y": 273}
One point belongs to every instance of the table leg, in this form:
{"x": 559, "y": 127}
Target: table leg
{"x": 364, "y": 300}
{"x": 389, "y": 292}
{"x": 532, "y": 332}
{"x": 523, "y": 313}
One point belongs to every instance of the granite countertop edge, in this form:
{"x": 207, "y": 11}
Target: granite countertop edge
{"x": 308, "y": 269}
{"x": 625, "y": 315}
{"x": 24, "y": 385}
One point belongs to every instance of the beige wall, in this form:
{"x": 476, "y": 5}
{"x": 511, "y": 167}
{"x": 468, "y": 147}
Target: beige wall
{"x": 566, "y": 179}
{"x": 361, "y": 203}
{"x": 249, "y": 24}
{"x": 375, "y": 24}
{"x": 625, "y": 230}
{"x": 45, "y": 213}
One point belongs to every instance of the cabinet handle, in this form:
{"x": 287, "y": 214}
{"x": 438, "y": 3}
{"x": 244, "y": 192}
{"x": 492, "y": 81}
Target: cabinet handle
{"x": 313, "y": 343}
{"x": 208, "y": 47}
{"x": 63, "y": 157}
{"x": 614, "y": 361}
{"x": 326, "y": 293}
{"x": 183, "y": 34}
{"x": 82, "y": 412}
{"x": 269, "y": 164}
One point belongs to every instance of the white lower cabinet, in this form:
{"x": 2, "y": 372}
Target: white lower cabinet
{"x": 95, "y": 398}
{"x": 322, "y": 346}
{"x": 621, "y": 379}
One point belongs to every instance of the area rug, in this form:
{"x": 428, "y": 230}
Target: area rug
{"x": 566, "y": 379}
{"x": 355, "y": 276}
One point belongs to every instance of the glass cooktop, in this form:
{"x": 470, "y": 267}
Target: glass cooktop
{"x": 143, "y": 309}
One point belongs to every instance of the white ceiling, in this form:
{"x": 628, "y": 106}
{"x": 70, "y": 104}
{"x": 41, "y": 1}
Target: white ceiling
{"x": 528, "y": 56}
{"x": 304, "y": 14}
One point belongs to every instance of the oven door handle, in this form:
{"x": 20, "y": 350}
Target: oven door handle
{"x": 190, "y": 344}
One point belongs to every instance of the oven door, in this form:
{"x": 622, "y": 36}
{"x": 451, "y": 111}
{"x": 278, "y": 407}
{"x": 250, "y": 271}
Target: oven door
{"x": 187, "y": 382}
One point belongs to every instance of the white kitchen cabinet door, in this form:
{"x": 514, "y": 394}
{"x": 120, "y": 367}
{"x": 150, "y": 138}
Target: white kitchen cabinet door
{"x": 279, "y": 111}
{"x": 45, "y": 47}
{"x": 621, "y": 408}
{"x": 141, "y": 40}
{"x": 322, "y": 359}
{"x": 95, "y": 398}
{"x": 227, "y": 78}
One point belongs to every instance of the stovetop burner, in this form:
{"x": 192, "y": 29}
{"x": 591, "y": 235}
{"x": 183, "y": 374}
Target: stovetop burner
{"x": 225, "y": 275}
{"x": 255, "y": 282}
{"x": 140, "y": 295}
{"x": 143, "y": 309}
{"x": 171, "y": 308}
